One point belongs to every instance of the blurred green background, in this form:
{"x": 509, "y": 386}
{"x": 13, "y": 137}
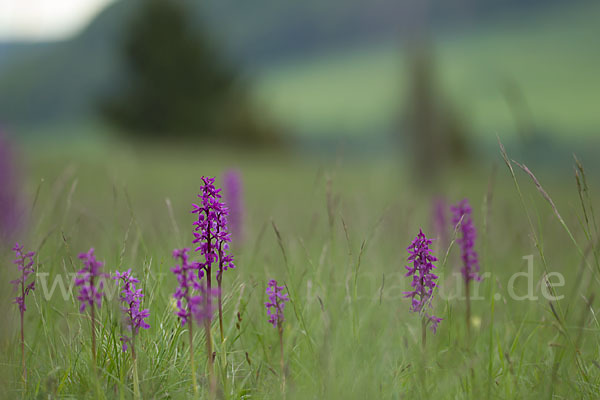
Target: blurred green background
{"x": 318, "y": 76}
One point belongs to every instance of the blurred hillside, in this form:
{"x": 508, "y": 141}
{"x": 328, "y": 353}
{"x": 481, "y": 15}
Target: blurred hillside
{"x": 549, "y": 58}
{"x": 335, "y": 68}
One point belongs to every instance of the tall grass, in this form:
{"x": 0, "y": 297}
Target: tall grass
{"x": 348, "y": 333}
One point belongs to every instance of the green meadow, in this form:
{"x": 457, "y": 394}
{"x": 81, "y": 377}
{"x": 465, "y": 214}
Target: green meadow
{"x": 335, "y": 233}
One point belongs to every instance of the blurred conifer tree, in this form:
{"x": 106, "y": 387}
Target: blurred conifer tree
{"x": 176, "y": 85}
{"x": 437, "y": 132}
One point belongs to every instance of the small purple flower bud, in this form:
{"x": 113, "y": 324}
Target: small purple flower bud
{"x": 24, "y": 263}
{"x": 276, "y": 303}
{"x": 202, "y": 306}
{"x": 89, "y": 279}
{"x": 232, "y": 187}
{"x": 462, "y": 211}
{"x": 10, "y": 208}
{"x": 131, "y": 298}
{"x": 188, "y": 280}
{"x": 440, "y": 225}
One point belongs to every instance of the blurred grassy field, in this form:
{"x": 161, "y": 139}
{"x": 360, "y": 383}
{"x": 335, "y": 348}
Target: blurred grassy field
{"x": 552, "y": 56}
{"x": 348, "y": 332}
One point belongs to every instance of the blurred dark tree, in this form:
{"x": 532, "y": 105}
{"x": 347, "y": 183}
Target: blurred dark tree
{"x": 176, "y": 85}
{"x": 437, "y": 133}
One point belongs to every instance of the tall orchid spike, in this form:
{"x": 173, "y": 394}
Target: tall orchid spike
{"x": 424, "y": 280}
